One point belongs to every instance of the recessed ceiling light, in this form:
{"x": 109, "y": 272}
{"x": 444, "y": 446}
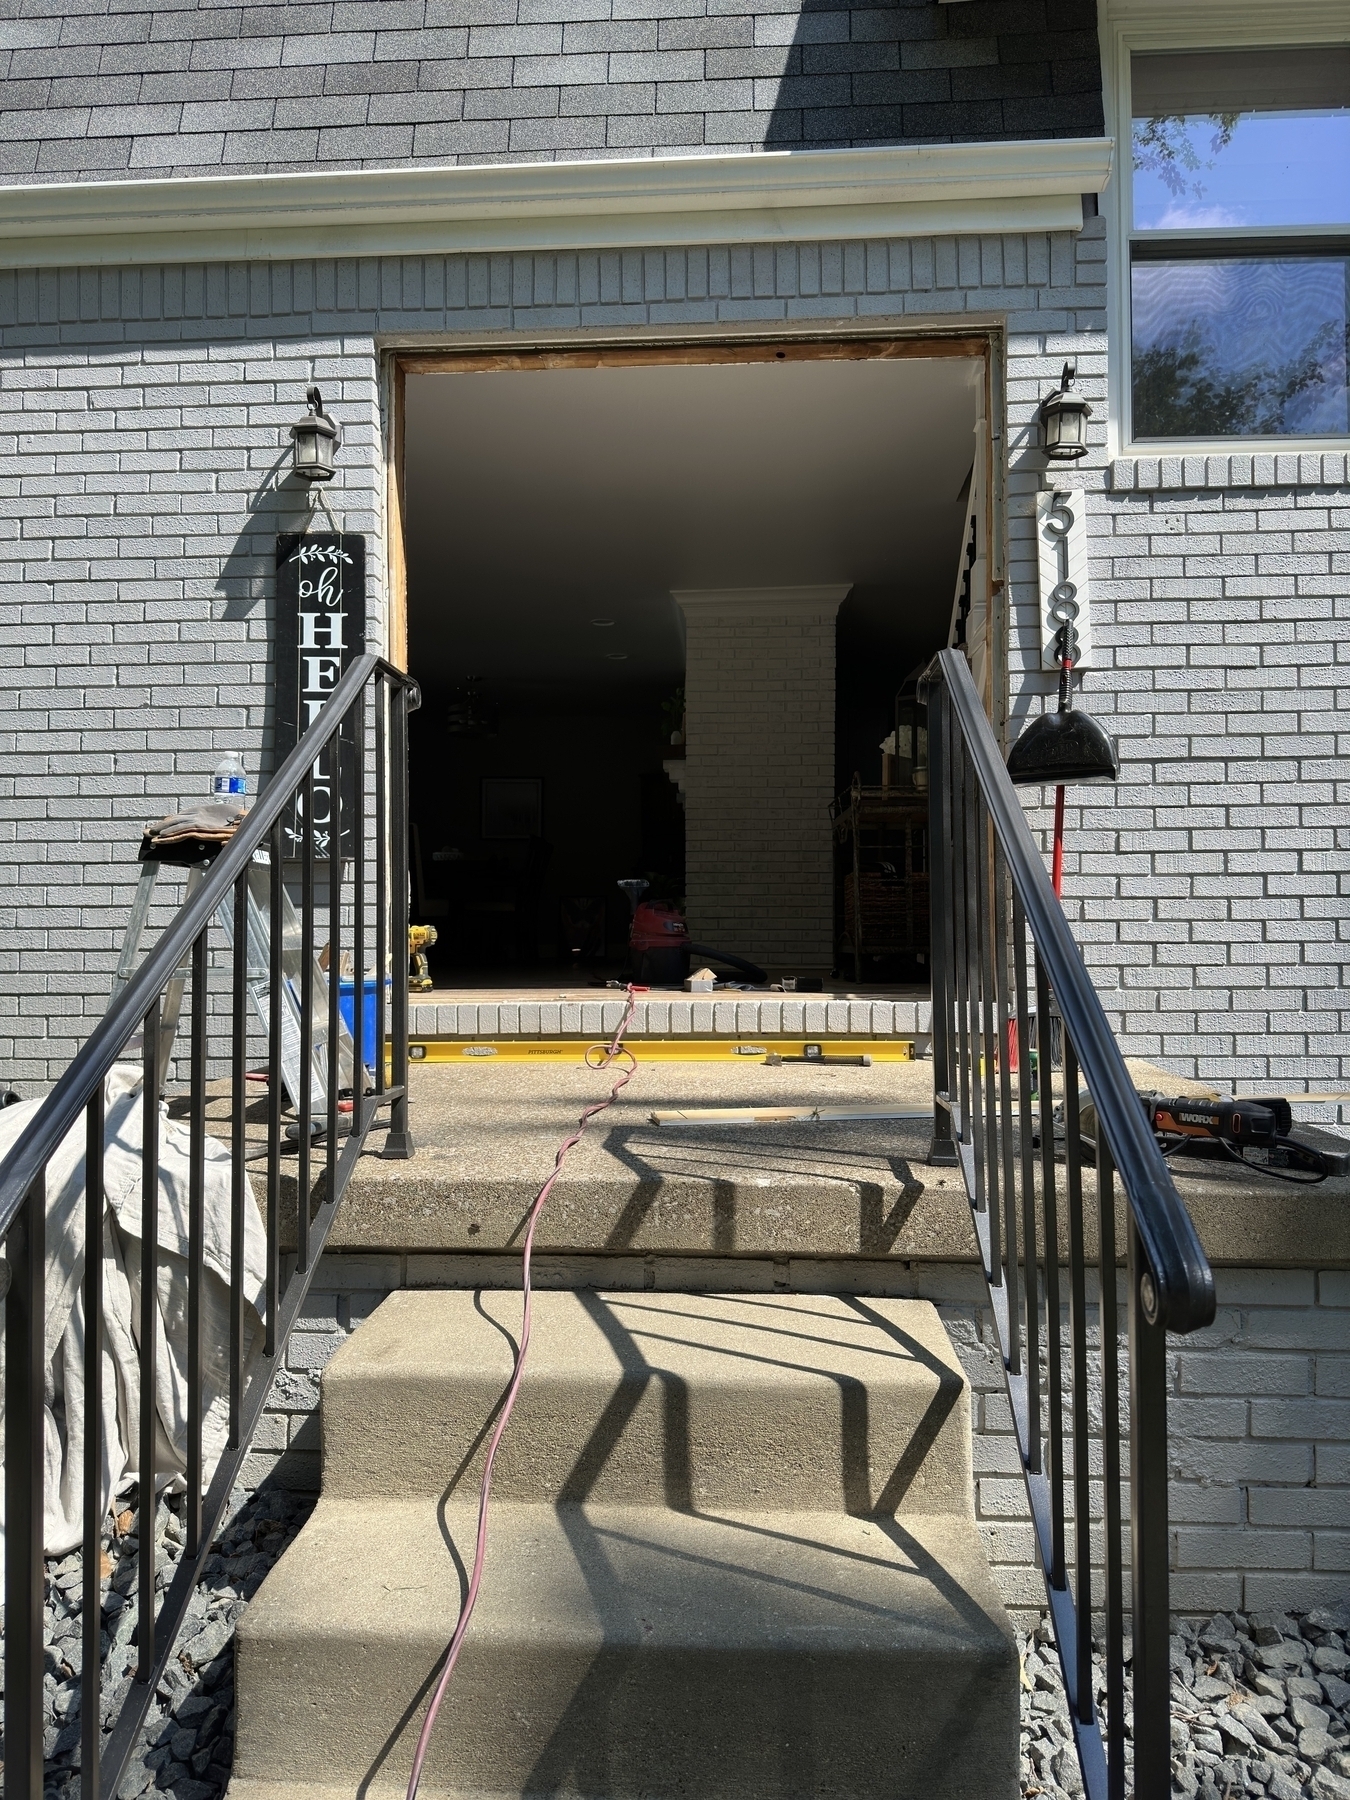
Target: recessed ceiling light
{"x": 616, "y": 656}
{"x": 602, "y": 622}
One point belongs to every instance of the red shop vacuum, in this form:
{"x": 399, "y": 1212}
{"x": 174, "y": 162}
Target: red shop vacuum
{"x": 660, "y": 948}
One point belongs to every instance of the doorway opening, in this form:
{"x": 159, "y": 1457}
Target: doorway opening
{"x": 666, "y": 606}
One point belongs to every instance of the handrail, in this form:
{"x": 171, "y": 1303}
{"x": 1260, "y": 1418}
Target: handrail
{"x": 316, "y": 807}
{"x": 1015, "y": 1024}
{"x": 1184, "y": 1281}
{"x": 95, "y": 1058}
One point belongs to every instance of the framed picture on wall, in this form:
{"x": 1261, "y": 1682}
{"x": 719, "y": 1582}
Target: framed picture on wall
{"x": 513, "y": 806}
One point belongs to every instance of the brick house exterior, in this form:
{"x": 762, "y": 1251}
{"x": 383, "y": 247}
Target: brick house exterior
{"x": 142, "y": 407}
{"x": 144, "y": 400}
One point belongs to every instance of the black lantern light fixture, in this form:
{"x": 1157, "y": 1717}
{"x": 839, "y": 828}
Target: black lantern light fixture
{"x": 315, "y": 440}
{"x": 1064, "y": 416}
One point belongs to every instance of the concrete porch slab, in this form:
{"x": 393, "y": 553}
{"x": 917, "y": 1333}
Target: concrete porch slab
{"x": 487, "y": 1134}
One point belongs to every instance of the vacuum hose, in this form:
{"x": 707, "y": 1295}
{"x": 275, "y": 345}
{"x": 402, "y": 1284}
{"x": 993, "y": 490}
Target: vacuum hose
{"x": 752, "y": 971}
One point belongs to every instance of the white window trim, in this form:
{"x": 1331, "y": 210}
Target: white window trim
{"x": 1129, "y": 25}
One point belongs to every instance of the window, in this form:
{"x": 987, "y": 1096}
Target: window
{"x": 1240, "y": 243}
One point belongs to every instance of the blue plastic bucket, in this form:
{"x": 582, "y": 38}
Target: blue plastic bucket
{"x": 347, "y": 1007}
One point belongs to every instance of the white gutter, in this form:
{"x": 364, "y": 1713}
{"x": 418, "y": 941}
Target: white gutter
{"x": 763, "y": 197}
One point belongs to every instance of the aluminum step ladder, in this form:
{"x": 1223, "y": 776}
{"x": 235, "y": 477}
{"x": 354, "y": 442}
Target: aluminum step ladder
{"x": 258, "y": 979}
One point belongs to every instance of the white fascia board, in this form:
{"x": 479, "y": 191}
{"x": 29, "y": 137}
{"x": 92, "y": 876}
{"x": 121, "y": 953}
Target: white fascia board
{"x": 762, "y": 197}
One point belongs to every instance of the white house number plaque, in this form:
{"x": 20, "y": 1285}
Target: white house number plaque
{"x": 1061, "y": 531}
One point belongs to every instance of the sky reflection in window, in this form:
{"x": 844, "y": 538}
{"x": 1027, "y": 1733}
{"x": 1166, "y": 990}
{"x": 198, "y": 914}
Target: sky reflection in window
{"x": 1232, "y": 171}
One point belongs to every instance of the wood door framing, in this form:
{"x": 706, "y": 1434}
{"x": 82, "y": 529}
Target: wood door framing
{"x": 869, "y": 345}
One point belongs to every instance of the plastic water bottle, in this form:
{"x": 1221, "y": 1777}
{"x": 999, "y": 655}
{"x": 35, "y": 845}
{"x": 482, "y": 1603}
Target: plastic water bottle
{"x": 229, "y": 781}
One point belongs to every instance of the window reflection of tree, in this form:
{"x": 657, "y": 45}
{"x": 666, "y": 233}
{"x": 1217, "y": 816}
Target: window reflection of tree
{"x": 1189, "y": 388}
{"x": 1164, "y": 146}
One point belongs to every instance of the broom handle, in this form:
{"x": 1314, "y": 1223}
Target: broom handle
{"x": 1057, "y": 862}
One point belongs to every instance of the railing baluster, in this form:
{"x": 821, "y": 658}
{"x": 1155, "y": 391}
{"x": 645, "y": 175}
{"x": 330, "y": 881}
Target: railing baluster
{"x": 399, "y": 1142}
{"x": 1004, "y": 1012}
{"x": 1150, "y": 1664}
{"x": 960, "y": 933}
{"x": 1054, "y": 1326}
{"x": 1111, "y": 1510}
{"x": 975, "y": 965}
{"x": 304, "y": 1104}
{"x": 359, "y": 1111}
{"x": 984, "y": 902}
{"x": 25, "y": 1306}
{"x": 91, "y": 1666}
{"x": 332, "y": 1062}
{"x": 941, "y": 1150}
{"x": 238, "y": 1150}
{"x": 1026, "y": 1132}
{"x": 196, "y": 1237}
{"x": 1078, "y": 1346}
{"x": 149, "y": 1329}
{"x": 276, "y": 982}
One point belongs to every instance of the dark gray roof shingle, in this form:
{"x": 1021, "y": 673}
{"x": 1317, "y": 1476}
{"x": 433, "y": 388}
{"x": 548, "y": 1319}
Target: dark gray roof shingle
{"x": 194, "y": 87}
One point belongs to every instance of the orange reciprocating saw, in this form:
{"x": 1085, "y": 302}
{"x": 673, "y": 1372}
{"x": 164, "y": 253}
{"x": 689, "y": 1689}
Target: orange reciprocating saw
{"x": 1250, "y": 1131}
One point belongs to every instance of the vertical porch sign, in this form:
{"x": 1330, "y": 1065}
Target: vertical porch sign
{"x": 320, "y": 627}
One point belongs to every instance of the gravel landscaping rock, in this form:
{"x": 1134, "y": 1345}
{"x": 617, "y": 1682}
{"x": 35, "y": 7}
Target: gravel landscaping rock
{"x": 187, "y": 1744}
{"x": 1259, "y": 1706}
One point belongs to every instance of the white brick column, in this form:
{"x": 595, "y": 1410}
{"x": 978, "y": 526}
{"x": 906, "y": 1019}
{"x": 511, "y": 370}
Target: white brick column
{"x": 759, "y": 771}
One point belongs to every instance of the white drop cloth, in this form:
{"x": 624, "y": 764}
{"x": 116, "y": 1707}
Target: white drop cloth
{"x": 121, "y": 1249}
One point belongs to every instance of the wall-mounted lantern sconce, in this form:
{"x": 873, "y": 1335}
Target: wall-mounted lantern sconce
{"x": 316, "y": 438}
{"x": 1064, "y": 416}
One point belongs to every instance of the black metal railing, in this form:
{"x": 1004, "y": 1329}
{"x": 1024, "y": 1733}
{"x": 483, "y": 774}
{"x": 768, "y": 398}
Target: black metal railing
{"x": 1018, "y": 1034}
{"x": 356, "y": 749}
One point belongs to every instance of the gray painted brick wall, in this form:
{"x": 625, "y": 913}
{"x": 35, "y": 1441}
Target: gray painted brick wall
{"x": 1258, "y": 1409}
{"x": 1209, "y": 890}
{"x": 145, "y": 90}
{"x": 143, "y": 416}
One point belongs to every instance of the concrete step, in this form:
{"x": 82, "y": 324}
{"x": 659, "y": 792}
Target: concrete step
{"x": 681, "y": 1400}
{"x": 732, "y": 1553}
{"x": 632, "y": 1651}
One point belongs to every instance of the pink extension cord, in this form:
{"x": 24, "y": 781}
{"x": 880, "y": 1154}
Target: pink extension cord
{"x": 607, "y": 1054}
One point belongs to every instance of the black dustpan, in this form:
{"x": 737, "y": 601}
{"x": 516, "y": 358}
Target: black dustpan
{"x": 1059, "y": 748}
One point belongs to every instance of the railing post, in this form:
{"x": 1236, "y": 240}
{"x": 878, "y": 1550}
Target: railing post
{"x": 24, "y": 1311}
{"x": 1148, "y": 1530}
{"x": 91, "y": 1669}
{"x": 399, "y": 1142}
{"x": 942, "y": 1150}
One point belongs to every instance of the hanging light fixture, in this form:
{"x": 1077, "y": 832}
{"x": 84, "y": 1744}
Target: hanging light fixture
{"x": 315, "y": 440}
{"x": 1064, "y": 416}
